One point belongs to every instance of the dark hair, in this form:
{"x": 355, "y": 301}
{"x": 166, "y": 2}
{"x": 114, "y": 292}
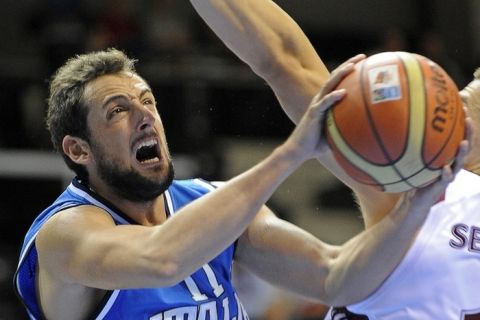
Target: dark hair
{"x": 67, "y": 111}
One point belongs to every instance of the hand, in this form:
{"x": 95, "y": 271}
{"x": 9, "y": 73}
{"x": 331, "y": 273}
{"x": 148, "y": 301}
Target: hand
{"x": 338, "y": 74}
{"x": 335, "y": 78}
{"x": 308, "y": 136}
{"x": 419, "y": 201}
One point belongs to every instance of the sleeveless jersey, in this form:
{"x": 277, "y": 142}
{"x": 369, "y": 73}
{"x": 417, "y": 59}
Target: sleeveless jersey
{"x": 206, "y": 294}
{"x": 439, "y": 277}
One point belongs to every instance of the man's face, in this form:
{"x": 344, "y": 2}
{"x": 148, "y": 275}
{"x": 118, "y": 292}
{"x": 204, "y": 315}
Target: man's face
{"x": 128, "y": 142}
{"x": 471, "y": 97}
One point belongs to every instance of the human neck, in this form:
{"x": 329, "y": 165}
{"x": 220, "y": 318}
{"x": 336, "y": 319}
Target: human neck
{"x": 146, "y": 213}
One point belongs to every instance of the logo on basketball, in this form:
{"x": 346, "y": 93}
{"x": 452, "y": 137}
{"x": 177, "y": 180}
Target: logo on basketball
{"x": 400, "y": 122}
{"x": 384, "y": 83}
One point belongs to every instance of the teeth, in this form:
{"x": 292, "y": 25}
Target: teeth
{"x": 147, "y": 143}
{"x": 151, "y": 160}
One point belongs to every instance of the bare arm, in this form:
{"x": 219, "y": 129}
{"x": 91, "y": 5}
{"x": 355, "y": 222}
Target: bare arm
{"x": 261, "y": 34}
{"x": 83, "y": 246}
{"x": 338, "y": 275}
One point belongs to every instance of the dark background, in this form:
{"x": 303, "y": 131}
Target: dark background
{"x": 204, "y": 92}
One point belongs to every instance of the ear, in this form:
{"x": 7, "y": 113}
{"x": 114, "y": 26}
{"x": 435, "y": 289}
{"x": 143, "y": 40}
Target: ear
{"x": 77, "y": 149}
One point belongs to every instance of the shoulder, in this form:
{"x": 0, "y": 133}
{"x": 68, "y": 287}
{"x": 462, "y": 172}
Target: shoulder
{"x": 77, "y": 217}
{"x": 68, "y": 225}
{"x": 194, "y": 185}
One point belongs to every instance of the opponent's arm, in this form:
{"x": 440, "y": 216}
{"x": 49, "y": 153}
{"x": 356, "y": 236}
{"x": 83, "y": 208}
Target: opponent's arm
{"x": 262, "y": 35}
{"x": 265, "y": 37}
{"x": 338, "y": 275}
{"x": 84, "y": 247}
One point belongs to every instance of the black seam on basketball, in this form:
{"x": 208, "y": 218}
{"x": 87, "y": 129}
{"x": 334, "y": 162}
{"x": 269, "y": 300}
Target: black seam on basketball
{"x": 338, "y": 153}
{"x": 348, "y": 143}
{"x": 407, "y": 88}
{"x": 374, "y": 128}
{"x": 426, "y": 117}
{"x": 427, "y": 164}
{"x": 446, "y": 141}
{"x": 405, "y": 179}
{"x": 405, "y": 145}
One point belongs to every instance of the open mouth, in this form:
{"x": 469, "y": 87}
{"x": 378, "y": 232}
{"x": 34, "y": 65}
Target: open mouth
{"x": 147, "y": 152}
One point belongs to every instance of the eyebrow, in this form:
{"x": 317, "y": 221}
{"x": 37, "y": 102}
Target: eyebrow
{"x": 144, "y": 91}
{"x": 113, "y": 97}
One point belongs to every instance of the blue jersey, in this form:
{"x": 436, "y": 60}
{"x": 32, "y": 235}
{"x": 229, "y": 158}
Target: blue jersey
{"x": 206, "y": 294}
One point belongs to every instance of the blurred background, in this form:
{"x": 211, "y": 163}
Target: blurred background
{"x": 219, "y": 117}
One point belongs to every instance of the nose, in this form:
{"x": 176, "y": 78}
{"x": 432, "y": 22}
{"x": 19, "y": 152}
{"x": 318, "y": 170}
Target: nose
{"x": 145, "y": 118}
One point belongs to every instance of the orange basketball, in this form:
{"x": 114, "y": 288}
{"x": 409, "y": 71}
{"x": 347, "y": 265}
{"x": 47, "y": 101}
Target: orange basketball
{"x": 400, "y": 122}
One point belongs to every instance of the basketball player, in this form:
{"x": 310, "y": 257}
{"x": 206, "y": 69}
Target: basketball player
{"x": 438, "y": 277}
{"x": 126, "y": 241}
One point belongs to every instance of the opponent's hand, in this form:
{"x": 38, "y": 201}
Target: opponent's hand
{"x": 307, "y": 138}
{"x": 419, "y": 201}
{"x": 338, "y": 74}
{"x": 336, "y": 77}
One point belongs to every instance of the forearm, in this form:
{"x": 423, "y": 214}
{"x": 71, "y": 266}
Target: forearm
{"x": 292, "y": 258}
{"x": 135, "y": 256}
{"x": 213, "y": 222}
{"x": 225, "y": 213}
{"x": 261, "y": 34}
{"x": 363, "y": 263}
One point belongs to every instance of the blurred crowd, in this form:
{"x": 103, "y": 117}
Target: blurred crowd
{"x": 196, "y": 79}
{"x": 177, "y": 54}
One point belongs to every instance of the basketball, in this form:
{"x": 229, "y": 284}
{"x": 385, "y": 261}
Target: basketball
{"x": 400, "y": 122}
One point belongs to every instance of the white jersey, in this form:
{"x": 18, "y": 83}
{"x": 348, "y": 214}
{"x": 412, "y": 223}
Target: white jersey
{"x": 439, "y": 277}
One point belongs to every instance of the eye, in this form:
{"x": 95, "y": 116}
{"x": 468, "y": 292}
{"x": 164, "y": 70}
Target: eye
{"x": 148, "y": 101}
{"x": 116, "y": 110}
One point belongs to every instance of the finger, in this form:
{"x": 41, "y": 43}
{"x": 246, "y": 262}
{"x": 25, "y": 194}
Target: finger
{"x": 462, "y": 153}
{"x": 329, "y": 100}
{"x": 354, "y": 60}
{"x": 469, "y": 130}
{"x": 423, "y": 198}
{"x": 463, "y": 148}
{"x": 336, "y": 77}
{"x": 447, "y": 176}
{"x": 427, "y": 196}
{"x": 347, "y": 66}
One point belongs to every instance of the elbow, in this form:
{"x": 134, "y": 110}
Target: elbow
{"x": 335, "y": 291}
{"x": 339, "y": 290}
{"x": 163, "y": 268}
{"x": 269, "y": 66}
{"x": 169, "y": 273}
{"x": 334, "y": 297}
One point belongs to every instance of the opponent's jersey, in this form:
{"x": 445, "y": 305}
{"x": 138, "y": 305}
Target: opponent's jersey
{"x": 439, "y": 278}
{"x": 206, "y": 294}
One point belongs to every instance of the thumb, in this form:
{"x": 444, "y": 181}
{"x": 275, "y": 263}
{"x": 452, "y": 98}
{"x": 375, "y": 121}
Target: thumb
{"x": 328, "y": 101}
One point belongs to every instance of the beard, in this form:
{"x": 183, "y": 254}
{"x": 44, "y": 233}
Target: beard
{"x": 130, "y": 184}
